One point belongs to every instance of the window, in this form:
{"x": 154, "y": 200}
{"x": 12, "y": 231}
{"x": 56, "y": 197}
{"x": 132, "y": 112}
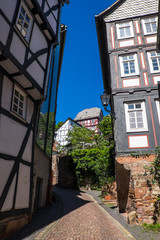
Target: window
{"x": 129, "y": 65}
{"x": 149, "y": 25}
{"x": 19, "y": 102}
{"x": 158, "y": 109}
{"x": 135, "y": 117}
{"x": 125, "y": 30}
{"x": 154, "y": 61}
{"x": 24, "y": 22}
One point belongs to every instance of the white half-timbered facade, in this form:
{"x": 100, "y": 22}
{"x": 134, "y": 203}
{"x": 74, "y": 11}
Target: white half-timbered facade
{"x": 62, "y": 132}
{"x": 30, "y": 61}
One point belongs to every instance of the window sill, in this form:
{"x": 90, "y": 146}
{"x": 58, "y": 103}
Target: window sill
{"x": 19, "y": 117}
{"x": 130, "y": 75}
{"x": 146, "y": 34}
{"x": 153, "y": 72}
{"x": 137, "y": 130}
{"x": 123, "y": 38}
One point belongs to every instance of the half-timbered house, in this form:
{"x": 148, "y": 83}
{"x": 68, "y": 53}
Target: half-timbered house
{"x": 61, "y": 134}
{"x": 90, "y": 118}
{"x": 127, "y": 36}
{"x": 31, "y": 49}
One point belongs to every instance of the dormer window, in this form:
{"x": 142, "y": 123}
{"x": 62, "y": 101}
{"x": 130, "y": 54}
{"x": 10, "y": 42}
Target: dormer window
{"x": 150, "y": 25}
{"x": 24, "y": 21}
{"x": 124, "y": 30}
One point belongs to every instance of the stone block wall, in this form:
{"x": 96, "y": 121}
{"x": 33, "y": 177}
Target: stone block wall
{"x": 55, "y": 162}
{"x": 135, "y": 190}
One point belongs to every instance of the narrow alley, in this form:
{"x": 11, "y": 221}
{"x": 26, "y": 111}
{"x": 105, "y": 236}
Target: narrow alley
{"x": 79, "y": 215}
{"x": 84, "y": 219}
{"x": 74, "y": 216}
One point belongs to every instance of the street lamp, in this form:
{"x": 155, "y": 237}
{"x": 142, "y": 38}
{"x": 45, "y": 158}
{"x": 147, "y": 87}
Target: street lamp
{"x": 105, "y": 99}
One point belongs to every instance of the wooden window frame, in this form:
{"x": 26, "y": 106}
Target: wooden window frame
{"x": 150, "y": 22}
{"x": 27, "y": 12}
{"x": 143, "y": 110}
{"x": 135, "y": 64}
{"x": 125, "y": 25}
{"x": 17, "y": 101}
{"x": 151, "y": 63}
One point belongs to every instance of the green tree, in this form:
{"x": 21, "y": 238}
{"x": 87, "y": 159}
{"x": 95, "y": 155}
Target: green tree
{"x": 58, "y": 125}
{"x": 92, "y": 153}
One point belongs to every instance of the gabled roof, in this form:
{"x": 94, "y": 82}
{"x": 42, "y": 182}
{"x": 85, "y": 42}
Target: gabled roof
{"x": 88, "y": 113}
{"x": 122, "y": 9}
{"x": 69, "y": 119}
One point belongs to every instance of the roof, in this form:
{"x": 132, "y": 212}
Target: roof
{"x": 122, "y": 9}
{"x": 71, "y": 120}
{"x": 88, "y": 113}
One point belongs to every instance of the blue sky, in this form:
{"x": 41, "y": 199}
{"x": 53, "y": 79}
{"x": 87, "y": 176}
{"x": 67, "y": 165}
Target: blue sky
{"x": 81, "y": 81}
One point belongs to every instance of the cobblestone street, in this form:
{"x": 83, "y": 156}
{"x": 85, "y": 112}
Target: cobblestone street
{"x": 78, "y": 215}
{"x": 84, "y": 219}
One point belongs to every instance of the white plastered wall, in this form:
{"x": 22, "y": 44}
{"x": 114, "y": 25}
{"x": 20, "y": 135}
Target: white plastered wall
{"x": 5, "y": 169}
{"x": 41, "y": 170}
{"x": 23, "y": 189}
{"x": 8, "y": 7}
{"x": 12, "y": 134}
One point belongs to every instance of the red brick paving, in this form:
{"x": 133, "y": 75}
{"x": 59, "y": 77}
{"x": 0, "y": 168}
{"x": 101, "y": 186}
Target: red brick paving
{"x": 86, "y": 222}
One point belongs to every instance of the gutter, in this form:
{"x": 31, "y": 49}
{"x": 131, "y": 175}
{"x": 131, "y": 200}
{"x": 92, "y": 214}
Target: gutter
{"x": 102, "y": 43}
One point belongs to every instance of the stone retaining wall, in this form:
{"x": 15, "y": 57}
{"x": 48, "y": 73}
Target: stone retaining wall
{"x": 135, "y": 191}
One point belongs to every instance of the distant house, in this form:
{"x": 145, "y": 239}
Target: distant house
{"x": 127, "y": 36}
{"x": 63, "y": 173}
{"x": 31, "y": 49}
{"x": 61, "y": 133}
{"x": 90, "y": 118}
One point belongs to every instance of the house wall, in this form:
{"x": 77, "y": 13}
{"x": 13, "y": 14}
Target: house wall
{"x": 29, "y": 56}
{"x": 90, "y": 123}
{"x": 23, "y": 66}
{"x": 15, "y": 151}
{"x": 142, "y": 86}
{"x": 41, "y": 170}
{"x": 61, "y": 133}
{"x": 134, "y": 190}
{"x": 16, "y": 148}
{"x": 153, "y": 133}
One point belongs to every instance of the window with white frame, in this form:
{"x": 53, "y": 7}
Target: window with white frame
{"x": 149, "y": 25}
{"x": 124, "y": 30}
{"x": 129, "y": 65}
{"x": 24, "y": 21}
{"x": 154, "y": 61}
{"x": 135, "y": 117}
{"x": 19, "y": 102}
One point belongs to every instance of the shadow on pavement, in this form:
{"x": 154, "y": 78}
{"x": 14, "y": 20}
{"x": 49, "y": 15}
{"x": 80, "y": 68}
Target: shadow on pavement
{"x": 65, "y": 201}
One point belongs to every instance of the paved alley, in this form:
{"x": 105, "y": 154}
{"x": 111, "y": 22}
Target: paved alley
{"x": 84, "y": 219}
{"x": 78, "y": 215}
